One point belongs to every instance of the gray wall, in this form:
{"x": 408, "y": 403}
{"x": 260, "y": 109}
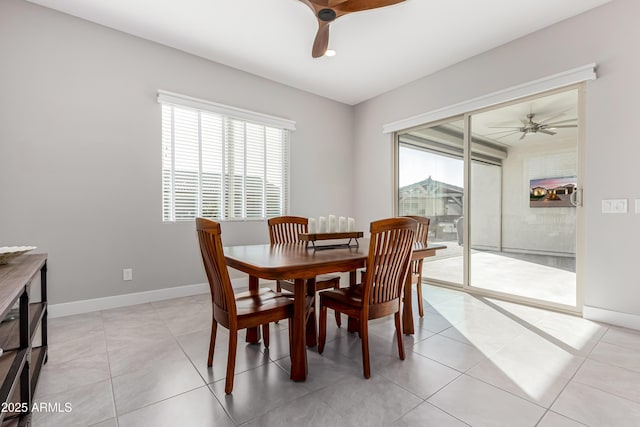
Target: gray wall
{"x": 80, "y": 164}
{"x": 606, "y": 36}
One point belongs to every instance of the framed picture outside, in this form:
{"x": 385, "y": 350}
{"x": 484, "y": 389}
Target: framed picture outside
{"x": 552, "y": 192}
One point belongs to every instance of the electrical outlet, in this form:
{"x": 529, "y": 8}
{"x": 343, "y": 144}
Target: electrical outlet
{"x": 127, "y": 274}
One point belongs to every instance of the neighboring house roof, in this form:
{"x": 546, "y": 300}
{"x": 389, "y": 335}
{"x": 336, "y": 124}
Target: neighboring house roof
{"x": 431, "y": 187}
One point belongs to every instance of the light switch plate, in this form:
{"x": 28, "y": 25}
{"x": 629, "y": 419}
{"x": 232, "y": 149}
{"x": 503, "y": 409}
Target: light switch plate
{"x": 615, "y": 206}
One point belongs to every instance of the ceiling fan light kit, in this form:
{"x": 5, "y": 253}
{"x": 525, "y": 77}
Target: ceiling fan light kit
{"x": 327, "y": 11}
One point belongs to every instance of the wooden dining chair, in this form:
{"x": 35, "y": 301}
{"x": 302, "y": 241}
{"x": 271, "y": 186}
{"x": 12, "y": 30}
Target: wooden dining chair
{"x": 380, "y": 294}
{"x": 239, "y": 311}
{"x": 287, "y": 229}
{"x": 416, "y": 266}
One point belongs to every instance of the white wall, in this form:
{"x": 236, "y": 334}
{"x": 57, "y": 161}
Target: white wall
{"x": 486, "y": 206}
{"x": 606, "y": 36}
{"x": 537, "y": 230}
{"x": 80, "y": 164}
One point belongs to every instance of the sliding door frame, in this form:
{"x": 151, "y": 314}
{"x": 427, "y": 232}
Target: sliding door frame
{"x": 467, "y": 212}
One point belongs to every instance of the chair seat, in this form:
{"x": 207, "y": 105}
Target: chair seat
{"x": 351, "y": 296}
{"x": 263, "y": 299}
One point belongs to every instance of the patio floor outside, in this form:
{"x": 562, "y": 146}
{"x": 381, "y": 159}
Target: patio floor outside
{"x": 547, "y": 278}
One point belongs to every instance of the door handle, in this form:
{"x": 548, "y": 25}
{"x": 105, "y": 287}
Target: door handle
{"x": 573, "y": 198}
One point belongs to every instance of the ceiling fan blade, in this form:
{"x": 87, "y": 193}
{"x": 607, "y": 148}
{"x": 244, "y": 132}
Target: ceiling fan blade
{"x": 555, "y": 116}
{"x": 505, "y": 127}
{"x": 325, "y": 3}
{"x": 504, "y": 123}
{"x": 502, "y": 131}
{"x": 358, "y": 5}
{"x": 321, "y": 42}
{"x": 560, "y": 127}
{"x": 525, "y": 121}
{"x": 312, "y": 5}
{"x": 548, "y": 132}
{"x": 523, "y": 135}
{"x": 560, "y": 122}
{"x": 509, "y": 134}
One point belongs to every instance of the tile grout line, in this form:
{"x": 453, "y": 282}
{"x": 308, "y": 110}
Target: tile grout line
{"x": 162, "y": 400}
{"x": 170, "y": 397}
{"x": 489, "y": 384}
{"x": 426, "y": 400}
{"x": 569, "y": 382}
{"x": 113, "y": 394}
{"x": 432, "y": 394}
{"x": 572, "y": 378}
{"x": 206, "y": 384}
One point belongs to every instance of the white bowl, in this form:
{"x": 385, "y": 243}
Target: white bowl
{"x": 7, "y": 253}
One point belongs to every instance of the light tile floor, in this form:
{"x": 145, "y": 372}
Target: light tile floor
{"x": 472, "y": 361}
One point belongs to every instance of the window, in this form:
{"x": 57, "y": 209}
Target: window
{"x": 231, "y": 166}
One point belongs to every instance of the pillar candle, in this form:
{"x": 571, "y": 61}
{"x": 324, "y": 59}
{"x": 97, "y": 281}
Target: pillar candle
{"x": 322, "y": 225}
{"x": 342, "y": 224}
{"x": 351, "y": 224}
{"x": 312, "y": 226}
{"x": 332, "y": 224}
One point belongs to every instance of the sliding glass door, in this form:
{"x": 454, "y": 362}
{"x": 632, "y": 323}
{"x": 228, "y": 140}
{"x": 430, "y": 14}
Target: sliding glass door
{"x": 517, "y": 166}
{"x": 527, "y": 246}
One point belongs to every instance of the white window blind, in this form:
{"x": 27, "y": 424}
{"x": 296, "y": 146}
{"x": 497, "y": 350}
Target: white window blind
{"x": 221, "y": 167}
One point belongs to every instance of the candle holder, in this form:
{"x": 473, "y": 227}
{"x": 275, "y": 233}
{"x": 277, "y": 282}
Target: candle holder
{"x": 315, "y": 237}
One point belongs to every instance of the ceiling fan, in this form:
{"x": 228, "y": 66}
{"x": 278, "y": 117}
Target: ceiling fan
{"x": 327, "y": 11}
{"x": 529, "y": 126}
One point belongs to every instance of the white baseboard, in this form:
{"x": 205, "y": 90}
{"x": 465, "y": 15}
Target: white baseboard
{"x": 116, "y": 301}
{"x": 617, "y": 318}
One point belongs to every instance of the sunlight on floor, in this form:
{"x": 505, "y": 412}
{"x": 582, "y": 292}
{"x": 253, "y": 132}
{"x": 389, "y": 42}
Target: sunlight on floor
{"x": 530, "y": 352}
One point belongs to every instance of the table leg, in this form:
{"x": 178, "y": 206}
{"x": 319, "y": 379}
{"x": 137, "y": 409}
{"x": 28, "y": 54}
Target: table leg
{"x": 298, "y": 350}
{"x": 353, "y": 325}
{"x": 312, "y": 339}
{"x": 407, "y": 313}
{"x": 253, "y": 334}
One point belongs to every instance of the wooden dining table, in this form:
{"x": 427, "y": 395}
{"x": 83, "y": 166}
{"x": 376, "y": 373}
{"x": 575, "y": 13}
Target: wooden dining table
{"x": 302, "y": 263}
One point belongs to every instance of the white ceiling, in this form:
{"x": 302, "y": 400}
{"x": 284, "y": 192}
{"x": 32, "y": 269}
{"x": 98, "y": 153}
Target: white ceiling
{"x": 377, "y": 50}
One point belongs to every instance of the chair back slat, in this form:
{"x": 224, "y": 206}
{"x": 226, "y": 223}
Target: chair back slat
{"x": 209, "y": 237}
{"x": 390, "y": 251}
{"x": 422, "y": 234}
{"x": 287, "y": 229}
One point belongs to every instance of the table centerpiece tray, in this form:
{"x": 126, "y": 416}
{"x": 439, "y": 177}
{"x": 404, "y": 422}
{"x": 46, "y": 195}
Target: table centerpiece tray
{"x": 312, "y": 238}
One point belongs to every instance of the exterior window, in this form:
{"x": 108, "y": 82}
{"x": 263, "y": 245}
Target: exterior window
{"x": 221, "y": 167}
